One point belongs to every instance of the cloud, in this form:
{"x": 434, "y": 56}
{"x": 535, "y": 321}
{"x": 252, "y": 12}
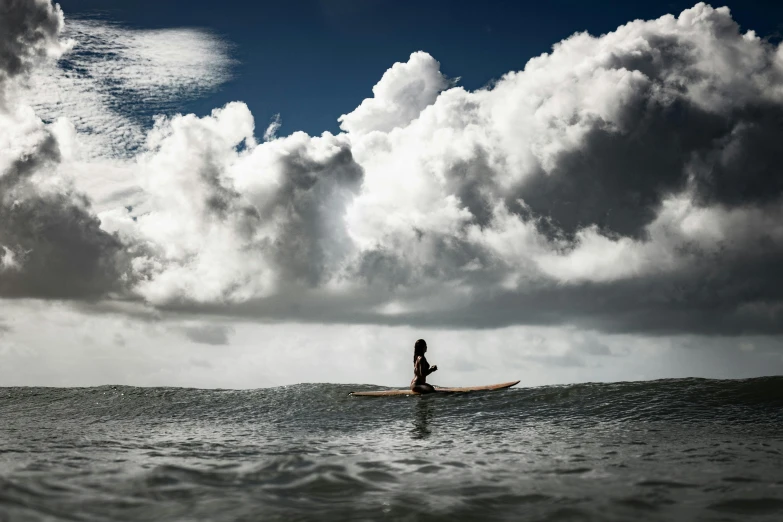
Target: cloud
{"x": 212, "y": 334}
{"x": 271, "y": 131}
{"x": 56, "y": 249}
{"x": 403, "y": 92}
{"x": 216, "y": 231}
{"x": 29, "y": 31}
{"x": 627, "y": 182}
{"x": 113, "y": 80}
{"x": 109, "y": 85}
{"x": 46, "y": 348}
{"x": 52, "y": 244}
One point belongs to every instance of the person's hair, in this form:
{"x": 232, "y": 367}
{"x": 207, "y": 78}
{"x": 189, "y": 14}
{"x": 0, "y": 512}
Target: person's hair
{"x": 418, "y": 349}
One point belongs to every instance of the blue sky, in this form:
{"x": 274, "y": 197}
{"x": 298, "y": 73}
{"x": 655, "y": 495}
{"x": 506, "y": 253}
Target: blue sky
{"x": 313, "y": 60}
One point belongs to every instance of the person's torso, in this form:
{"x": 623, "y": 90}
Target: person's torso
{"x": 420, "y": 368}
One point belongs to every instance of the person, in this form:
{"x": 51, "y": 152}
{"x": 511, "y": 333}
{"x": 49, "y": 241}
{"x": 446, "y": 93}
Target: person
{"x": 421, "y": 369}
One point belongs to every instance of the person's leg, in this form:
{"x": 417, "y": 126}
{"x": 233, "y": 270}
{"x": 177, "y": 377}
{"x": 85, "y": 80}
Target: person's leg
{"x": 423, "y": 388}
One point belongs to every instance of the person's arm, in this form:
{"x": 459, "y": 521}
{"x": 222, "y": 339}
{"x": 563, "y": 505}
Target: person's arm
{"x": 432, "y": 369}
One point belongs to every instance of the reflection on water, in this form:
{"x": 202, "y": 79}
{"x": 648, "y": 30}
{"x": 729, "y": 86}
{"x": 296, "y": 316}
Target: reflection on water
{"x": 421, "y": 419}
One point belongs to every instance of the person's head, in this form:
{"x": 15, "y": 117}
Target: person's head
{"x": 419, "y": 348}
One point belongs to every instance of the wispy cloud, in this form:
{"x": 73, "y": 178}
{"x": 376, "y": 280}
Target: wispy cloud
{"x": 115, "y": 79}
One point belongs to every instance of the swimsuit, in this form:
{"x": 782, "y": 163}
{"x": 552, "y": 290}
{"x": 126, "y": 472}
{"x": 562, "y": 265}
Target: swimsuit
{"x": 422, "y": 366}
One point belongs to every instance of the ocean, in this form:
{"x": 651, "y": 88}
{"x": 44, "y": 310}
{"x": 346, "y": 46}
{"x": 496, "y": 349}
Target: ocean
{"x": 685, "y": 449}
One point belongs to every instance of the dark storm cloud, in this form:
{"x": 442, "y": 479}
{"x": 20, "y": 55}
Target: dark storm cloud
{"x": 745, "y": 165}
{"x": 310, "y": 207}
{"x": 27, "y": 28}
{"x": 722, "y": 293}
{"x": 46, "y": 153}
{"x": 617, "y": 178}
{"x": 473, "y": 182}
{"x": 58, "y": 247}
{"x": 655, "y": 306}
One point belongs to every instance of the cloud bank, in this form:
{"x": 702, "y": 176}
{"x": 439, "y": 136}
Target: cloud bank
{"x": 625, "y": 182}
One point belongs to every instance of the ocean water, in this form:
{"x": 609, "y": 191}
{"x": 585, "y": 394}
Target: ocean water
{"x": 690, "y": 449}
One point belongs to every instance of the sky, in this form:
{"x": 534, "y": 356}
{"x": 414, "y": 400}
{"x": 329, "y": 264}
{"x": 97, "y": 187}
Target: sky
{"x": 239, "y": 197}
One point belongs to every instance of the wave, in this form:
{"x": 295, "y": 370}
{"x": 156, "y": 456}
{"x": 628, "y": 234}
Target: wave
{"x": 685, "y": 400}
{"x": 602, "y": 451}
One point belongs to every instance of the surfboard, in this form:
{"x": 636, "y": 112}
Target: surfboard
{"x": 391, "y": 393}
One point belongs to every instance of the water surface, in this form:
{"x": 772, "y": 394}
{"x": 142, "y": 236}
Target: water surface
{"x": 690, "y": 449}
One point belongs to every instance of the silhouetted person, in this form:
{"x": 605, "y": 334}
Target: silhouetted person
{"x": 421, "y": 369}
